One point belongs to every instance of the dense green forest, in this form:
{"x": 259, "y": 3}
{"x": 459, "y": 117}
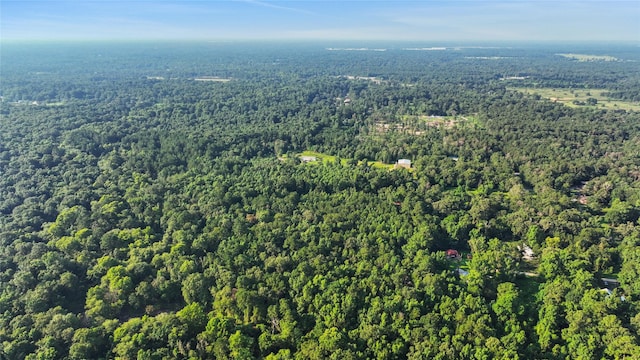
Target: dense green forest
{"x": 154, "y": 204}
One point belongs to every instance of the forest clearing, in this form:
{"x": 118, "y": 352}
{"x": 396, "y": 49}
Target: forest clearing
{"x": 586, "y": 57}
{"x": 313, "y": 156}
{"x": 580, "y": 98}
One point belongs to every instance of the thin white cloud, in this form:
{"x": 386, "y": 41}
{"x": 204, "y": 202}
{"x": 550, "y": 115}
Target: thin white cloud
{"x": 366, "y": 20}
{"x": 520, "y": 20}
{"x": 278, "y": 7}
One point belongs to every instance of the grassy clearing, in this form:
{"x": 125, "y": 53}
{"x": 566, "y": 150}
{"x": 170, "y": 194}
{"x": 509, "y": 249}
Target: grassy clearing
{"x": 381, "y": 165}
{"x": 321, "y": 157}
{"x": 53, "y": 104}
{"x": 586, "y": 57}
{"x": 472, "y": 119}
{"x": 325, "y": 158}
{"x": 212, "y": 79}
{"x": 576, "y": 97}
{"x": 441, "y": 121}
{"x": 436, "y": 119}
{"x": 419, "y": 124}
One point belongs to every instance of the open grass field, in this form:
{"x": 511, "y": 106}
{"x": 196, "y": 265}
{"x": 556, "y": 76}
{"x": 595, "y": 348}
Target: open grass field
{"x": 322, "y": 157}
{"x": 212, "y": 78}
{"x": 332, "y": 159}
{"x": 568, "y": 96}
{"x": 442, "y": 121}
{"x": 435, "y": 119}
{"x": 586, "y": 57}
{"x": 58, "y": 103}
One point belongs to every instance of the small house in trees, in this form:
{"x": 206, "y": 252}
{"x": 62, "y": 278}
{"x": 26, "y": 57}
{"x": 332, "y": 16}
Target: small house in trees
{"x": 308, "y": 158}
{"x": 403, "y": 163}
{"x": 610, "y": 283}
{"x": 609, "y": 292}
{"x": 453, "y": 254}
{"x": 527, "y": 252}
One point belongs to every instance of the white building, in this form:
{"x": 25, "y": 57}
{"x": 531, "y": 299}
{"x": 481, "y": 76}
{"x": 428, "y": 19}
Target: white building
{"x": 404, "y": 163}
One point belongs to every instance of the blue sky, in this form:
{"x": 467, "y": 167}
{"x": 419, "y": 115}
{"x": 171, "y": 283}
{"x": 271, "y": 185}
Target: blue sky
{"x": 470, "y": 20}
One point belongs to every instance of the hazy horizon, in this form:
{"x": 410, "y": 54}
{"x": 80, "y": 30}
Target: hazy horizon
{"x": 249, "y": 20}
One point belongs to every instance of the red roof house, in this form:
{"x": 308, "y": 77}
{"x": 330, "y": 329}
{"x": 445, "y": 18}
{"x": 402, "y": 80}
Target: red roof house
{"x": 452, "y": 253}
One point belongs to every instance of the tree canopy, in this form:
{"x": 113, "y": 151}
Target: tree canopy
{"x": 154, "y": 203}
